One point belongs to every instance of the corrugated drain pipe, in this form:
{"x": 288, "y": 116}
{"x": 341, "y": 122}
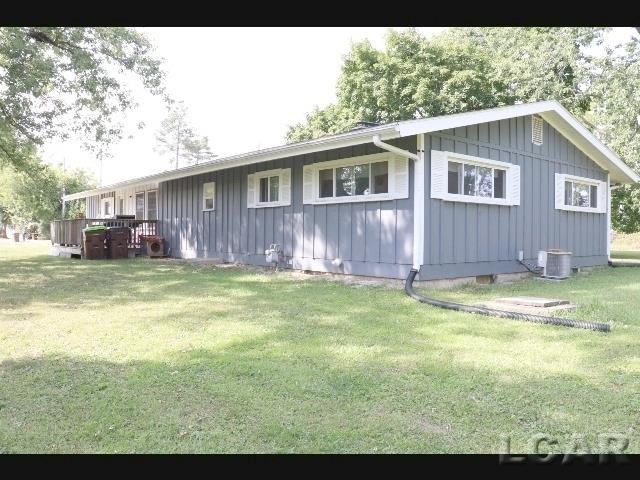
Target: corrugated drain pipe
{"x": 525, "y": 317}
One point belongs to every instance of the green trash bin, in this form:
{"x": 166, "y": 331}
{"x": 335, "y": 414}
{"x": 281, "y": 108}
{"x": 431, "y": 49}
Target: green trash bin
{"x": 93, "y": 244}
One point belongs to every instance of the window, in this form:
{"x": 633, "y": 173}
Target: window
{"x": 580, "y": 194}
{"x": 140, "y": 206}
{"x": 208, "y": 195}
{"x": 359, "y": 179}
{"x": 121, "y": 205}
{"x": 270, "y": 188}
{"x": 463, "y": 178}
{"x": 474, "y": 180}
{"x": 326, "y": 183}
{"x": 354, "y": 180}
{"x": 107, "y": 207}
{"x": 152, "y": 205}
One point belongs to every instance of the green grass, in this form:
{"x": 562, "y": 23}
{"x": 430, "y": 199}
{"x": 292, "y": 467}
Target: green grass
{"x": 161, "y": 356}
{"x": 626, "y": 241}
{"x": 625, "y": 254}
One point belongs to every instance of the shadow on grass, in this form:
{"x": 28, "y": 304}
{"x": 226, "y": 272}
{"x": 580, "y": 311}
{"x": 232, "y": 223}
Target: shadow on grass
{"x": 243, "y": 399}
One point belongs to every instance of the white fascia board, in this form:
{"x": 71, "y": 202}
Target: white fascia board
{"x": 349, "y": 139}
{"x": 560, "y": 119}
{"x": 554, "y": 113}
{"x": 434, "y": 124}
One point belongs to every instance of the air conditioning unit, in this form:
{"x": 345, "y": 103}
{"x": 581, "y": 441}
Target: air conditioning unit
{"x": 555, "y": 263}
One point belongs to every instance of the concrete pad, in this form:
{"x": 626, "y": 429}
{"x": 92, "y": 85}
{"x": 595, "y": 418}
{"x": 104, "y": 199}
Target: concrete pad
{"x": 532, "y": 301}
{"x": 527, "y": 308}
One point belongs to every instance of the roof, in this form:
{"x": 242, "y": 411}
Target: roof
{"x": 554, "y": 113}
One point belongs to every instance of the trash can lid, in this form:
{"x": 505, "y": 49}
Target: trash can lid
{"x": 95, "y": 228}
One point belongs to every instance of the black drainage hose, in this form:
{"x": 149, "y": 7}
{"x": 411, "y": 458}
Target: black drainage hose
{"x": 565, "y": 322}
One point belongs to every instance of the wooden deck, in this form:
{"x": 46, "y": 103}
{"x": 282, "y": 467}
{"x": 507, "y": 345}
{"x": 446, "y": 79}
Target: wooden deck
{"x": 68, "y": 233}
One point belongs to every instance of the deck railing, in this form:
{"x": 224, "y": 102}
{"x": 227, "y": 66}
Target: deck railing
{"x": 69, "y": 232}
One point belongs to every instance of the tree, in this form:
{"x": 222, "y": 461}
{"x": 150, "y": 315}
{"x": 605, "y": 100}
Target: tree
{"x": 33, "y": 198}
{"x": 411, "y": 78}
{"x": 176, "y": 139}
{"x": 466, "y": 69}
{"x": 196, "y": 149}
{"x": 62, "y": 80}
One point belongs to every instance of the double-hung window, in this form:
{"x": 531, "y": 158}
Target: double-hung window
{"x": 107, "y": 207}
{"x": 208, "y": 196}
{"x": 139, "y": 205}
{"x": 580, "y": 194}
{"x": 358, "y": 179}
{"x": 152, "y": 205}
{"x": 464, "y": 178}
{"x": 269, "y": 188}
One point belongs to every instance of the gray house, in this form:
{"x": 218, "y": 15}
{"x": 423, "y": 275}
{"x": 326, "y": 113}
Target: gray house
{"x": 454, "y": 196}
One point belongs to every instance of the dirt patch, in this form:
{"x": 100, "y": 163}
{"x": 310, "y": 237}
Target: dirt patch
{"x": 428, "y": 427}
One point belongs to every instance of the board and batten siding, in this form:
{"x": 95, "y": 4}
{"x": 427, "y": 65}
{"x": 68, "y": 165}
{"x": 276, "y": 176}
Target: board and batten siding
{"x": 372, "y": 238}
{"x": 464, "y": 239}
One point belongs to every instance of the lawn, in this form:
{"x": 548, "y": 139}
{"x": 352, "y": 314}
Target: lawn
{"x": 163, "y": 356}
{"x": 625, "y": 246}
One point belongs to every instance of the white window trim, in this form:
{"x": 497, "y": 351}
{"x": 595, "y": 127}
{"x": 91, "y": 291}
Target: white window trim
{"x": 351, "y": 161}
{"x": 120, "y": 211}
{"x": 135, "y": 204}
{"x": 146, "y": 203}
{"x": 480, "y": 162}
{"x": 276, "y": 172}
{"x": 102, "y": 202}
{"x": 204, "y": 199}
{"x": 268, "y": 174}
{"x": 564, "y": 177}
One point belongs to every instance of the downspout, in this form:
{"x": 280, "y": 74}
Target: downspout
{"x": 418, "y": 194}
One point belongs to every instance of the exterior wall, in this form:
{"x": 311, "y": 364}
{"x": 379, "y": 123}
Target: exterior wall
{"x": 92, "y": 204}
{"x": 463, "y": 239}
{"x": 372, "y": 238}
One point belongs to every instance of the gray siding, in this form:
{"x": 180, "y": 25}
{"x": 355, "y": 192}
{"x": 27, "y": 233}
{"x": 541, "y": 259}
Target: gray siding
{"x": 372, "y": 238}
{"x": 472, "y": 239}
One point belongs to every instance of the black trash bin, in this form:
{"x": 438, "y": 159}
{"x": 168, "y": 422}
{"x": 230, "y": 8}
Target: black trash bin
{"x": 93, "y": 245}
{"x": 118, "y": 241}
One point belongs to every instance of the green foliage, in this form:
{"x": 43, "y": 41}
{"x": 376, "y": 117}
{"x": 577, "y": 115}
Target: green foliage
{"x": 176, "y": 139}
{"x": 33, "y": 197}
{"x": 466, "y": 69}
{"x": 62, "y": 80}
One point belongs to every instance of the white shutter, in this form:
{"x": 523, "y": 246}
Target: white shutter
{"x": 438, "y": 174}
{"x": 560, "y": 178}
{"x": 307, "y": 184}
{"x": 285, "y": 187}
{"x": 251, "y": 191}
{"x": 536, "y": 129}
{"x": 400, "y": 169}
{"x": 513, "y": 185}
{"x": 602, "y": 197}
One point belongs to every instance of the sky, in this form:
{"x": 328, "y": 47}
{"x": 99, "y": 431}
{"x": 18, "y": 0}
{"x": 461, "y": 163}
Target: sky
{"x": 242, "y": 87}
